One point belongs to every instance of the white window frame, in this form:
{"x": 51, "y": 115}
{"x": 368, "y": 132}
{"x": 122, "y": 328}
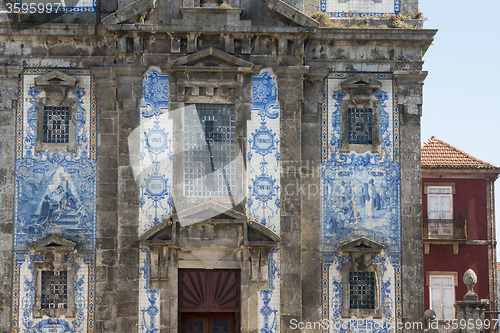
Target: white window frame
{"x": 439, "y": 195}
{"x": 453, "y": 276}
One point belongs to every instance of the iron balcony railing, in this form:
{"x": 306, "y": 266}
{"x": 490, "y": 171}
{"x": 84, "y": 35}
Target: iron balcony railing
{"x": 445, "y": 229}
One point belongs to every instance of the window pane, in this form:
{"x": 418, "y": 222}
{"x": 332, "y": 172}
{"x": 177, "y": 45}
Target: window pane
{"x": 438, "y": 190}
{"x": 209, "y": 143}
{"x": 359, "y": 126}
{"x": 55, "y": 124}
{"x": 362, "y": 290}
{"x": 441, "y": 281}
{"x": 433, "y": 207}
{"x": 54, "y": 290}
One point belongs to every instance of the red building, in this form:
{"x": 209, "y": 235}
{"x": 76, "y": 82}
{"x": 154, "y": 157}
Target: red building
{"x": 458, "y": 225}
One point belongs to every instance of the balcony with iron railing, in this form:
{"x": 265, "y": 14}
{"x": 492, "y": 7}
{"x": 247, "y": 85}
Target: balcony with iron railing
{"x": 444, "y": 232}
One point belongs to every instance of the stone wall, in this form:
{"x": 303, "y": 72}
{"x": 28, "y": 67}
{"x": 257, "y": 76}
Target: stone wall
{"x": 299, "y": 59}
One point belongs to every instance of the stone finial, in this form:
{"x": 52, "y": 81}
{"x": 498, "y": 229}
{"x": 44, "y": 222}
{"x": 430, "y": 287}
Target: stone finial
{"x": 470, "y": 279}
{"x": 430, "y": 316}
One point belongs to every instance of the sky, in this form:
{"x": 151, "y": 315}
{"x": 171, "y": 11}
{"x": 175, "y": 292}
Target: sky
{"x": 462, "y": 90}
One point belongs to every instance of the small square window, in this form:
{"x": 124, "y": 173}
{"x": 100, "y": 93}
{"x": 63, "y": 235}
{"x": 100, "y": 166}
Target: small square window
{"x": 360, "y": 126}
{"x": 55, "y": 124}
{"x": 362, "y": 290}
{"x": 54, "y": 290}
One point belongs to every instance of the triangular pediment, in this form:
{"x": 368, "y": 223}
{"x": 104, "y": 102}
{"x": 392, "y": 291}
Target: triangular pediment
{"x": 210, "y": 58}
{"x": 361, "y": 81}
{"x": 54, "y": 244}
{"x": 361, "y": 245}
{"x": 208, "y": 211}
{"x": 55, "y": 79}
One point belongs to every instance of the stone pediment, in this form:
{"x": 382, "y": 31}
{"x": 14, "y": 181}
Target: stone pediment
{"x": 208, "y": 211}
{"x": 211, "y": 59}
{"x": 55, "y": 79}
{"x": 361, "y": 245}
{"x": 54, "y": 244}
{"x": 361, "y": 81}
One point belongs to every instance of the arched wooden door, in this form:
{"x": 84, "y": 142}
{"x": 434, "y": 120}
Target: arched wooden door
{"x": 209, "y": 301}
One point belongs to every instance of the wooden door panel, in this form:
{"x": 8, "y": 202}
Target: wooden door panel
{"x": 209, "y": 290}
{"x": 193, "y": 291}
{"x": 225, "y": 291}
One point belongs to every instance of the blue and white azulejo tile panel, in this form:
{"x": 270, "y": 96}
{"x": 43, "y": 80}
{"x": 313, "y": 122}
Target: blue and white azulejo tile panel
{"x": 154, "y": 137}
{"x": 361, "y": 198}
{"x": 343, "y": 8}
{"x": 263, "y": 162}
{"x": 55, "y": 194}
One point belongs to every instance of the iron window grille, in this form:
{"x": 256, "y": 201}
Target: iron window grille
{"x": 362, "y": 290}
{"x": 360, "y": 123}
{"x": 209, "y": 145}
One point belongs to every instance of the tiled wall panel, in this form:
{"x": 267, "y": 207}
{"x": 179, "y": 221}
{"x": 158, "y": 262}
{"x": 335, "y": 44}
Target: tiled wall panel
{"x": 361, "y": 198}
{"x": 66, "y": 182}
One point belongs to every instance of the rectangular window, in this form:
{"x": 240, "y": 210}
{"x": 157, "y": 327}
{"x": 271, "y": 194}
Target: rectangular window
{"x": 440, "y": 203}
{"x": 360, "y": 126}
{"x": 209, "y": 150}
{"x": 56, "y": 124}
{"x": 362, "y": 290}
{"x": 54, "y": 289}
{"x": 442, "y": 296}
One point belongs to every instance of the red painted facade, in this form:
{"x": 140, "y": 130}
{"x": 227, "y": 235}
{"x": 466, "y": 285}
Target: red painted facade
{"x": 470, "y": 203}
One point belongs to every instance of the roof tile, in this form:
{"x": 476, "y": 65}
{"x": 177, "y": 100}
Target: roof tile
{"x": 437, "y": 154}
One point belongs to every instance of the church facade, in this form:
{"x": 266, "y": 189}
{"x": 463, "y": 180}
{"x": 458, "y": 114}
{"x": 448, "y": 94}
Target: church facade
{"x": 198, "y": 166}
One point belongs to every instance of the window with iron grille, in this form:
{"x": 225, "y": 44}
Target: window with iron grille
{"x": 209, "y": 149}
{"x": 360, "y": 126}
{"x": 55, "y": 124}
{"x": 54, "y": 290}
{"x": 362, "y": 290}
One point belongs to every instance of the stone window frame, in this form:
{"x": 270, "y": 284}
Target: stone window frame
{"x": 38, "y": 311}
{"x": 360, "y": 89}
{"x": 347, "y": 312}
{"x": 57, "y": 87}
{"x": 52, "y": 255}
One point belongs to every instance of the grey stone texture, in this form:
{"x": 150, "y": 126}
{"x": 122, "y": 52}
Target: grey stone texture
{"x": 119, "y": 51}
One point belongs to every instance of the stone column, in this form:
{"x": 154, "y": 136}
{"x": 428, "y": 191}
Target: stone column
{"x": 470, "y": 311}
{"x": 410, "y": 103}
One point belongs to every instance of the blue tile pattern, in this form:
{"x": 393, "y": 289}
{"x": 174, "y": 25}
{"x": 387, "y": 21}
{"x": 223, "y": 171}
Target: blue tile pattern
{"x": 263, "y": 161}
{"x": 155, "y": 182}
{"x": 263, "y": 152}
{"x": 361, "y": 198}
{"x": 359, "y": 9}
{"x": 55, "y": 194}
{"x": 155, "y": 151}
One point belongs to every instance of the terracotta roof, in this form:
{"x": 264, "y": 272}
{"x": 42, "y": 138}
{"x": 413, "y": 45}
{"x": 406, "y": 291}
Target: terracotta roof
{"x": 437, "y": 154}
